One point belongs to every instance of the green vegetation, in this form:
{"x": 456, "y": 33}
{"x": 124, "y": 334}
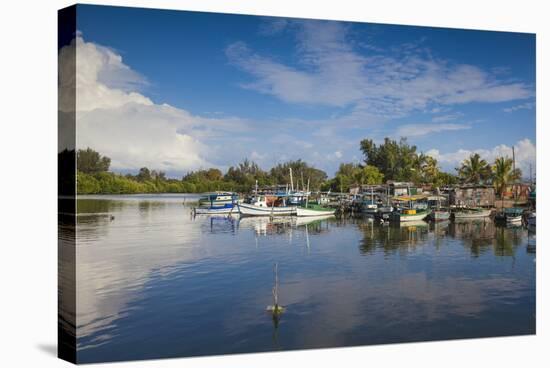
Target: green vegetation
{"x": 93, "y": 177}
{"x": 354, "y": 174}
{"x": 504, "y": 174}
{"x": 91, "y": 162}
{"x": 397, "y": 161}
{"x": 391, "y": 160}
{"x": 475, "y": 170}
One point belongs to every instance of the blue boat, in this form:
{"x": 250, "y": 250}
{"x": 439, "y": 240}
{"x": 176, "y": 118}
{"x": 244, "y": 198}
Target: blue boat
{"x": 226, "y": 208}
{"x": 217, "y": 202}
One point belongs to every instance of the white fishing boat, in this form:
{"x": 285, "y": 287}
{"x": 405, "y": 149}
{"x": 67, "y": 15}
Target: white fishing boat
{"x": 471, "y": 213}
{"x": 260, "y": 207}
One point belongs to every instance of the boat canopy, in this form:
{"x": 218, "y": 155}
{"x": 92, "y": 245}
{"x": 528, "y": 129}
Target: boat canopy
{"x": 417, "y": 197}
{"x": 437, "y": 198}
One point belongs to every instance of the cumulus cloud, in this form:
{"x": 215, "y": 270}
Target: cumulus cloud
{"x": 114, "y": 118}
{"x": 331, "y": 72}
{"x": 525, "y": 154}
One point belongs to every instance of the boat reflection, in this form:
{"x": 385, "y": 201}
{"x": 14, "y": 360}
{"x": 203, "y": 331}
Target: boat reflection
{"x": 265, "y": 226}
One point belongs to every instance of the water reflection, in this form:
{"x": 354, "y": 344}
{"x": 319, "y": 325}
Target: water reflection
{"x": 155, "y": 282}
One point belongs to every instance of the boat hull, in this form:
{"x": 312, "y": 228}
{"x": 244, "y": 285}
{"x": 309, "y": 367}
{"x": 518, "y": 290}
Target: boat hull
{"x": 514, "y": 220}
{"x": 532, "y": 220}
{"x": 401, "y": 217}
{"x": 308, "y": 212}
{"x": 472, "y": 215}
{"x": 246, "y": 209}
{"x": 227, "y": 209}
{"x": 440, "y": 215}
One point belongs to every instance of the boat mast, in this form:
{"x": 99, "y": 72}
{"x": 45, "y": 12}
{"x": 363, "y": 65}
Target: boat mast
{"x": 307, "y": 190}
{"x": 514, "y": 168}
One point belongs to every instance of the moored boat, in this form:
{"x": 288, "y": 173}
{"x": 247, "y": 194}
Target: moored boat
{"x": 415, "y": 211}
{"x": 514, "y": 221}
{"x": 227, "y": 208}
{"x": 471, "y": 213}
{"x": 217, "y": 199}
{"x": 407, "y": 215}
{"x": 260, "y": 207}
{"x": 512, "y": 215}
{"x": 313, "y": 209}
{"x": 440, "y": 215}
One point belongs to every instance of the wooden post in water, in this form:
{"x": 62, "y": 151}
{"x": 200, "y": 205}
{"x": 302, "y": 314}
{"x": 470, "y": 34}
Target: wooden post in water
{"x": 276, "y": 288}
{"x": 276, "y": 309}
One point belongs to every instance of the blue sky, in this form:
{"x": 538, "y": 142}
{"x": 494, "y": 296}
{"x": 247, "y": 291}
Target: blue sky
{"x": 212, "y": 89}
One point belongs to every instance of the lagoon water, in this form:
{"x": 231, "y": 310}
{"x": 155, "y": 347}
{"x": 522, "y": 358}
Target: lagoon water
{"x": 154, "y": 282}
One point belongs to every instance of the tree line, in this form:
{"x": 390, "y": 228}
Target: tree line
{"x": 389, "y": 160}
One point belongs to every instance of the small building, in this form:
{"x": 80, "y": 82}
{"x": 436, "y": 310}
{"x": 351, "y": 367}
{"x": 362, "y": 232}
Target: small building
{"x": 403, "y": 188}
{"x": 472, "y": 196}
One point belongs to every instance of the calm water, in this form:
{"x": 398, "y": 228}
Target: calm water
{"x": 154, "y": 282}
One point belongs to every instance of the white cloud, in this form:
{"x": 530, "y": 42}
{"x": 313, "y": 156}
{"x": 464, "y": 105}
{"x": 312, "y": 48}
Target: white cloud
{"x": 416, "y": 130}
{"x": 523, "y": 106}
{"x": 525, "y": 154}
{"x": 123, "y": 124}
{"x": 330, "y": 72}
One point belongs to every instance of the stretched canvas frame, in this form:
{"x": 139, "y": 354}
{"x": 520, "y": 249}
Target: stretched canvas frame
{"x": 478, "y": 194}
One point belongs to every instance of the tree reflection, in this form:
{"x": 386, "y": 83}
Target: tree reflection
{"x": 478, "y": 235}
{"x": 507, "y": 240}
{"x": 392, "y": 238}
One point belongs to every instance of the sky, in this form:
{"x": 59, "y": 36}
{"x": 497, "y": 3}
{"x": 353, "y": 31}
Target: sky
{"x": 179, "y": 91}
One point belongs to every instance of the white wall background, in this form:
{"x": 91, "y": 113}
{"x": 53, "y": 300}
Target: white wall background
{"x": 28, "y": 147}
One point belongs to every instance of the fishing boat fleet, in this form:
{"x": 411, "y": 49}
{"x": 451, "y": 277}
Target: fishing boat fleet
{"x": 286, "y": 202}
{"x": 289, "y": 200}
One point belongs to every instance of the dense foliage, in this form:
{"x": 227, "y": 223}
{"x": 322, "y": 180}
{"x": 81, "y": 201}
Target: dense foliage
{"x": 353, "y": 174}
{"x": 91, "y": 162}
{"x": 391, "y": 160}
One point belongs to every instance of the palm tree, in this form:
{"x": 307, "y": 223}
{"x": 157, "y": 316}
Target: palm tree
{"x": 429, "y": 168}
{"x": 504, "y": 174}
{"x": 474, "y": 170}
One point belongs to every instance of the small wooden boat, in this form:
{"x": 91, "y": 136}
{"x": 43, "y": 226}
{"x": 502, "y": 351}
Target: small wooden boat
{"x": 313, "y": 209}
{"x": 471, "y": 213}
{"x": 416, "y": 211}
{"x": 407, "y": 215}
{"x": 384, "y": 212}
{"x": 228, "y": 208}
{"x": 440, "y": 215}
